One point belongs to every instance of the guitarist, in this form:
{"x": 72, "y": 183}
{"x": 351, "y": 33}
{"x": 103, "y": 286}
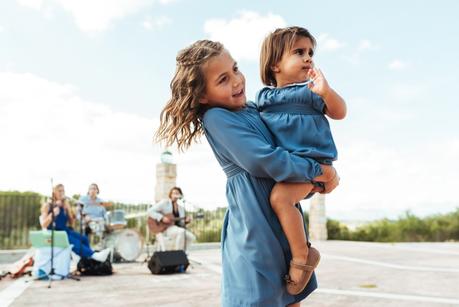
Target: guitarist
{"x": 170, "y": 217}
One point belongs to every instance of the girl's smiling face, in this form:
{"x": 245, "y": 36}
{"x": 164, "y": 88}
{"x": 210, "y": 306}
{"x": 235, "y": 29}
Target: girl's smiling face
{"x": 225, "y": 84}
{"x": 295, "y": 63}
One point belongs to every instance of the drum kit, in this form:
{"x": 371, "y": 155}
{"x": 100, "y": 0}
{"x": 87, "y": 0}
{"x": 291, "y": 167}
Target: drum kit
{"x": 126, "y": 244}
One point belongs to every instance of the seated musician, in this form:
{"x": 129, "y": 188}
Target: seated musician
{"x": 92, "y": 207}
{"x": 63, "y": 219}
{"x": 172, "y": 215}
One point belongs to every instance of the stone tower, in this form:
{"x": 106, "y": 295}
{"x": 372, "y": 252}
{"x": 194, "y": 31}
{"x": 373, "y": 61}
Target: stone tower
{"x": 317, "y": 218}
{"x": 166, "y": 175}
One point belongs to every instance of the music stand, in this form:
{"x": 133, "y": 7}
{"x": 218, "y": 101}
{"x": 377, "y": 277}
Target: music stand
{"x": 51, "y": 239}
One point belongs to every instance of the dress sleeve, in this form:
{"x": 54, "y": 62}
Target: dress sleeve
{"x": 247, "y": 148}
{"x": 155, "y": 211}
{"x": 302, "y": 93}
{"x": 318, "y": 103}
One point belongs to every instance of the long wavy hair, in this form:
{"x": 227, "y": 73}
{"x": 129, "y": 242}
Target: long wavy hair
{"x": 66, "y": 203}
{"x": 181, "y": 118}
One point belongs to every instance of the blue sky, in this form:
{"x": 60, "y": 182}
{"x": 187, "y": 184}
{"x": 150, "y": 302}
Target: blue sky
{"x": 91, "y": 77}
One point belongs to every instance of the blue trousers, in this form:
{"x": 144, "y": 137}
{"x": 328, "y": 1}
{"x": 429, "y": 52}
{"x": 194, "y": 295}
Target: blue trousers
{"x": 80, "y": 244}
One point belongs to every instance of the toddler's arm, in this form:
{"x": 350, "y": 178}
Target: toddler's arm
{"x": 335, "y": 106}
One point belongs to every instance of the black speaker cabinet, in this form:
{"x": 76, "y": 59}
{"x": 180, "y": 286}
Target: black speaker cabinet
{"x": 168, "y": 262}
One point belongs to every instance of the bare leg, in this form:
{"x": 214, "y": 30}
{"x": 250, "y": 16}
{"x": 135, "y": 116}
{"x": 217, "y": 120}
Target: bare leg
{"x": 284, "y": 196}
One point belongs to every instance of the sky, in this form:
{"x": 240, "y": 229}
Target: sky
{"x": 82, "y": 84}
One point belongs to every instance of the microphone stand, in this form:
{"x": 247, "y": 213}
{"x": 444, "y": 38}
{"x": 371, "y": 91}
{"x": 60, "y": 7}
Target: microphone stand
{"x": 80, "y": 209}
{"x": 53, "y": 228}
{"x": 184, "y": 225}
{"x": 51, "y": 271}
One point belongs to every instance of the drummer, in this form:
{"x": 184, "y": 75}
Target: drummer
{"x": 92, "y": 206}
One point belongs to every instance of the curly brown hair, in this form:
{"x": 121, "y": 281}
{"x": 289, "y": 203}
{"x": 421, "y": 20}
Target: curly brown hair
{"x": 181, "y": 118}
{"x": 273, "y": 48}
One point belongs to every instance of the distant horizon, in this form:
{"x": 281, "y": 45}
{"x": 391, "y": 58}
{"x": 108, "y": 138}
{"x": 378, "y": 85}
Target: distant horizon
{"x": 304, "y": 204}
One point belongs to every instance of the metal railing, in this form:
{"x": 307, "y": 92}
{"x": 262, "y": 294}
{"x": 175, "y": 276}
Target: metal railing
{"x": 19, "y": 213}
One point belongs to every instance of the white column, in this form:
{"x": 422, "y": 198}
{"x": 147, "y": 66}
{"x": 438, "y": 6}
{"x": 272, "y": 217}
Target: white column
{"x": 317, "y": 218}
{"x": 166, "y": 175}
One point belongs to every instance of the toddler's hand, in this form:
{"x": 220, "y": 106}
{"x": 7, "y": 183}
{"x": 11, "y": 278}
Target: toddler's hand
{"x": 330, "y": 185}
{"x": 319, "y": 85}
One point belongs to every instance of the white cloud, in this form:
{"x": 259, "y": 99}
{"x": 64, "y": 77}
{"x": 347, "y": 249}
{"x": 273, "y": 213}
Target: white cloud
{"x": 2, "y": 29}
{"x": 362, "y": 47}
{"x": 397, "y": 64}
{"x": 47, "y": 130}
{"x": 379, "y": 180}
{"x": 366, "y": 44}
{"x": 165, "y": 2}
{"x": 158, "y": 23}
{"x": 327, "y": 43}
{"x": 91, "y": 15}
{"x": 408, "y": 93}
{"x": 243, "y": 35}
{"x": 33, "y": 4}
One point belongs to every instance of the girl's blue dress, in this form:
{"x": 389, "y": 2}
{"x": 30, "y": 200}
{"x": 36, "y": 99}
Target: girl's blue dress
{"x": 80, "y": 243}
{"x": 295, "y": 116}
{"x": 255, "y": 251}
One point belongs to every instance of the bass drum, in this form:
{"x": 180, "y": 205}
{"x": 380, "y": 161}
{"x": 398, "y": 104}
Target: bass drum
{"x": 127, "y": 244}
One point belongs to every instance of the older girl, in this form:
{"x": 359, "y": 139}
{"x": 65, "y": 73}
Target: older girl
{"x": 208, "y": 97}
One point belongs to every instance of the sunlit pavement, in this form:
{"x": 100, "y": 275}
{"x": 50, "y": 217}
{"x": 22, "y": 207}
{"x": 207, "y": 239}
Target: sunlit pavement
{"x": 350, "y": 274}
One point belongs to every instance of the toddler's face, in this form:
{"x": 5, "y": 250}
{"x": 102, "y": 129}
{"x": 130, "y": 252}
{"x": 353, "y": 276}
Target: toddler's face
{"x": 295, "y": 63}
{"x": 225, "y": 84}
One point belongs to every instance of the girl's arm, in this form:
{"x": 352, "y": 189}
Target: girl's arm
{"x": 335, "y": 106}
{"x": 249, "y": 149}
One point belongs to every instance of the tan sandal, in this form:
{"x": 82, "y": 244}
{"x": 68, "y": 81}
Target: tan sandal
{"x": 295, "y": 288}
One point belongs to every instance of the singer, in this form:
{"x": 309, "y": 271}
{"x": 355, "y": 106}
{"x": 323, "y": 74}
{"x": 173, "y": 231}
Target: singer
{"x": 171, "y": 213}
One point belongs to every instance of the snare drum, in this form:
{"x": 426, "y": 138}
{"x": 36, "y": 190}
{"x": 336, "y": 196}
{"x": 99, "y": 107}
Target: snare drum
{"x": 117, "y": 219}
{"x": 127, "y": 244}
{"x": 97, "y": 226}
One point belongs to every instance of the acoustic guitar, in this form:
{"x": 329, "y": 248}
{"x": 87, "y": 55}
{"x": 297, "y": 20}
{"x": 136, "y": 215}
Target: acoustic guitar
{"x": 157, "y": 227}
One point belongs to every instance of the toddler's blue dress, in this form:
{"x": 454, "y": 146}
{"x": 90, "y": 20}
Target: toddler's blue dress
{"x": 255, "y": 251}
{"x": 295, "y": 116}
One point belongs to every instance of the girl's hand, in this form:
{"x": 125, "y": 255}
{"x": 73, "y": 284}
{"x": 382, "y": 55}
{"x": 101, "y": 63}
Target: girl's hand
{"x": 328, "y": 172}
{"x": 319, "y": 85}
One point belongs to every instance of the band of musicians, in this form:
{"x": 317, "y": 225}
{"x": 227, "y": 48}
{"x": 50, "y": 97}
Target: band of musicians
{"x": 166, "y": 219}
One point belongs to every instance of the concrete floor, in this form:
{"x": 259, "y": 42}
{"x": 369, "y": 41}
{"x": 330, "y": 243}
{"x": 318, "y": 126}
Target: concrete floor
{"x": 350, "y": 274}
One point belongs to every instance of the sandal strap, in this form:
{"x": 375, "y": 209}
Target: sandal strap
{"x": 289, "y": 280}
{"x": 300, "y": 266}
